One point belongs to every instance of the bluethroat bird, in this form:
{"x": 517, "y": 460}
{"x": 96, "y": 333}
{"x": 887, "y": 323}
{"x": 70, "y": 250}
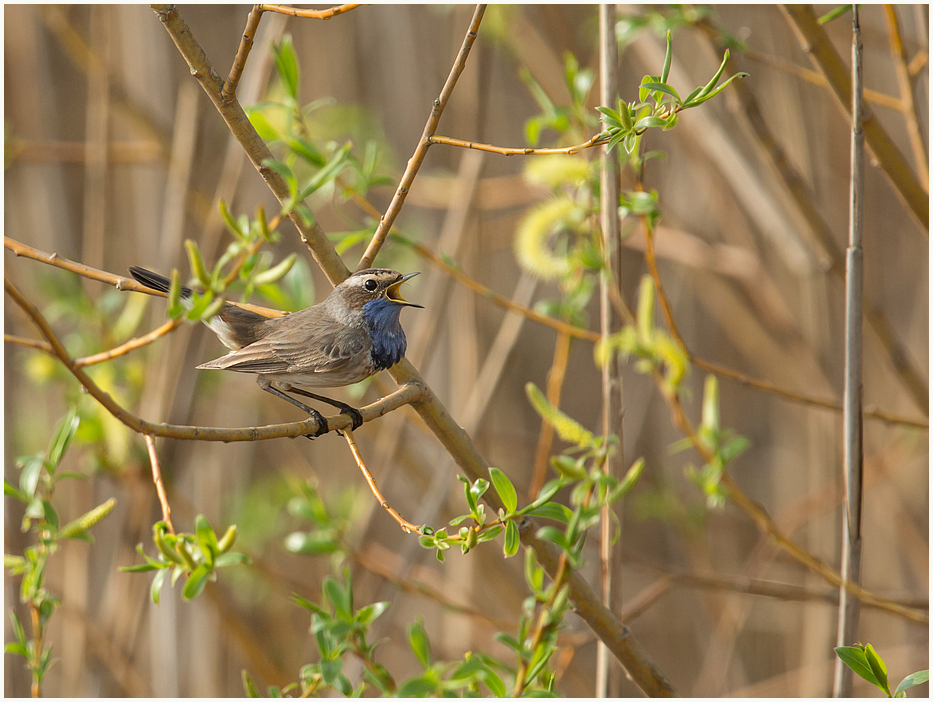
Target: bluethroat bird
{"x": 351, "y": 335}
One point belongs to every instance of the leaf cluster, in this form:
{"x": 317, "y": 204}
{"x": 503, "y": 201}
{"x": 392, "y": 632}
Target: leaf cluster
{"x": 197, "y": 556}
{"x": 38, "y": 479}
{"x": 865, "y": 661}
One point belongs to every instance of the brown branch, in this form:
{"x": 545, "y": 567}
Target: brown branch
{"x": 29, "y": 343}
{"x": 414, "y": 163}
{"x": 816, "y": 43}
{"x": 308, "y": 14}
{"x": 406, "y": 394}
{"x": 128, "y": 346}
{"x": 595, "y": 140}
{"x": 906, "y": 84}
{"x": 407, "y": 526}
{"x": 242, "y": 53}
{"x": 157, "y": 479}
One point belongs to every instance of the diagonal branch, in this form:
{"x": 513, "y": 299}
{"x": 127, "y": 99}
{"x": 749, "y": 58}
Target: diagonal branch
{"x": 414, "y": 163}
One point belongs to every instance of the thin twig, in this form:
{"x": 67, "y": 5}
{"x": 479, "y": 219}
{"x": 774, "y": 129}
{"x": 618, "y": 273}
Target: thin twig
{"x": 242, "y": 53}
{"x": 36, "y": 344}
{"x": 414, "y": 163}
{"x": 852, "y": 392}
{"x": 157, "y": 479}
{"x": 816, "y": 43}
{"x": 595, "y": 140}
{"x": 906, "y": 84}
{"x": 131, "y": 345}
{"x": 407, "y": 526}
{"x": 555, "y": 384}
{"x": 309, "y": 14}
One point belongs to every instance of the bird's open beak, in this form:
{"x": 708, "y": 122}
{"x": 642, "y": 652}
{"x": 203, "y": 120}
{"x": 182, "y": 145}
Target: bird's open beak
{"x": 392, "y": 292}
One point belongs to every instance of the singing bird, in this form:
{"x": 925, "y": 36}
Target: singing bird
{"x": 348, "y": 337}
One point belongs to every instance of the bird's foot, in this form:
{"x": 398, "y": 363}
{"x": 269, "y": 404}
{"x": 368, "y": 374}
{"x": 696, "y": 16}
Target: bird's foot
{"x": 355, "y": 416}
{"x": 321, "y": 424}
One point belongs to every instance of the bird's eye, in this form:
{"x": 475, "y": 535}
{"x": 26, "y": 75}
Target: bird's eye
{"x": 370, "y": 284}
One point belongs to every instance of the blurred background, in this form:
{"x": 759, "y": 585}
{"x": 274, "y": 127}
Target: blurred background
{"x": 114, "y": 157}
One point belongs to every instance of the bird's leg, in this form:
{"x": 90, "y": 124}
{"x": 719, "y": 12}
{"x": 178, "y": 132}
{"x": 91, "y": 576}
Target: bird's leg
{"x": 344, "y": 408}
{"x": 266, "y": 385}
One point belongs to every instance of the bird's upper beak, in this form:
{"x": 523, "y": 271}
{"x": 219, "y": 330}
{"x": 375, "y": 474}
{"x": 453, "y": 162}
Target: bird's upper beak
{"x": 392, "y": 292}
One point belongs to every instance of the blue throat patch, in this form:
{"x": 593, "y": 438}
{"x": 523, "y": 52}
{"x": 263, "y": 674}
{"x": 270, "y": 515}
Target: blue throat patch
{"x": 389, "y": 341}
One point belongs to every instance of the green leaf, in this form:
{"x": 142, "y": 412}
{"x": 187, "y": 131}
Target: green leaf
{"x": 649, "y": 121}
{"x": 418, "y": 640}
{"x": 833, "y": 14}
{"x": 197, "y": 263}
{"x": 878, "y": 667}
{"x": 327, "y": 173}
{"x": 286, "y": 63}
{"x": 306, "y": 150}
{"x": 249, "y": 685}
{"x": 663, "y": 88}
{"x": 568, "y": 429}
{"x": 417, "y": 687}
{"x": 912, "y": 680}
{"x": 512, "y": 539}
{"x": 63, "y": 436}
{"x": 207, "y": 539}
{"x": 505, "y": 489}
{"x": 31, "y": 468}
{"x": 668, "y": 55}
{"x": 284, "y": 171}
{"x": 155, "y": 592}
{"x": 703, "y": 98}
{"x": 610, "y": 117}
{"x": 556, "y": 536}
{"x": 196, "y": 582}
{"x": 232, "y": 558}
{"x": 263, "y": 128}
{"x": 339, "y": 598}
{"x": 552, "y": 510}
{"x": 370, "y": 613}
{"x": 854, "y": 657}
{"x": 11, "y": 491}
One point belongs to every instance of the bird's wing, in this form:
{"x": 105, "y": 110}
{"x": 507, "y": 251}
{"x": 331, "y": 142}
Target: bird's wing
{"x": 295, "y": 349}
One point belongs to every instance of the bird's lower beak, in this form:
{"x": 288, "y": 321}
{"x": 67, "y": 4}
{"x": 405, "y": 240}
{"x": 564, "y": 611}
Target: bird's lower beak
{"x": 392, "y": 292}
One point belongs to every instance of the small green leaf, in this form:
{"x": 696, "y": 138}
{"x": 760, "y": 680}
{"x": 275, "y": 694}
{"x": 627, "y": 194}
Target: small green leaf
{"x": 370, "y": 613}
{"x": 232, "y": 558}
{"x": 327, "y": 173}
{"x": 552, "y": 510}
{"x": 249, "y": 685}
{"x": 418, "y": 640}
{"x": 505, "y": 489}
{"x": 286, "y": 63}
{"x": 155, "y": 592}
{"x": 556, "y": 536}
{"x": 854, "y": 657}
{"x": 207, "y": 539}
{"x": 196, "y": 582}
{"x": 263, "y": 127}
{"x": 668, "y": 56}
{"x": 663, "y": 88}
{"x": 512, "y": 539}
{"x": 277, "y": 272}
{"x": 648, "y": 122}
{"x": 912, "y": 680}
{"x": 878, "y": 667}
{"x": 63, "y": 436}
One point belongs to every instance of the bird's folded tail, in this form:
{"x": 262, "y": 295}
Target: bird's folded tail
{"x": 155, "y": 281}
